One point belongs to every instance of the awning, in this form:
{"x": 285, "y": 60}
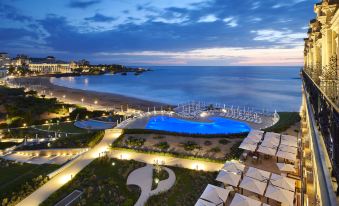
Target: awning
{"x": 253, "y": 185}
{"x": 283, "y": 182}
{"x": 248, "y": 147}
{"x": 258, "y": 174}
{"x": 202, "y": 202}
{"x": 241, "y": 200}
{"x": 233, "y": 166}
{"x": 280, "y": 195}
{"x": 267, "y": 150}
{"x": 286, "y": 167}
{"x": 286, "y": 148}
{"x": 214, "y": 194}
{"x": 229, "y": 178}
{"x": 287, "y": 155}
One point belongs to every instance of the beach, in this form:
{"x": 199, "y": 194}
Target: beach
{"x": 91, "y": 100}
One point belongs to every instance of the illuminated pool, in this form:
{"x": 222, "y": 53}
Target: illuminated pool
{"x": 217, "y": 125}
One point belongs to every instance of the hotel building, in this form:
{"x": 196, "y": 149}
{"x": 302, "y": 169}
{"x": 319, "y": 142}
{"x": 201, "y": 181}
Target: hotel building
{"x": 320, "y": 107}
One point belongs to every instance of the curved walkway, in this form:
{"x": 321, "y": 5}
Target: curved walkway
{"x": 165, "y": 185}
{"x": 39, "y": 195}
{"x": 143, "y": 178}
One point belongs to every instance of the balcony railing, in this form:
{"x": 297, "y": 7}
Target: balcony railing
{"x": 326, "y": 116}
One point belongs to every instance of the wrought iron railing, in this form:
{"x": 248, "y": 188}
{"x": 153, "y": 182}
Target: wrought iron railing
{"x": 326, "y": 115}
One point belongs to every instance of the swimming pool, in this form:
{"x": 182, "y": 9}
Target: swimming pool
{"x": 94, "y": 124}
{"x": 217, "y": 125}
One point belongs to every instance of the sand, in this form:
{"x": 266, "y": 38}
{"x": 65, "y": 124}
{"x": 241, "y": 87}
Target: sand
{"x": 105, "y": 101}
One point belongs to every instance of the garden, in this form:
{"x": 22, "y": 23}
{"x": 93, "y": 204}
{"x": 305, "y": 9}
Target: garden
{"x": 18, "y": 180}
{"x": 218, "y": 149}
{"x": 103, "y": 183}
{"x": 287, "y": 119}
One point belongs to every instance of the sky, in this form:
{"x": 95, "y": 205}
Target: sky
{"x": 158, "y": 32}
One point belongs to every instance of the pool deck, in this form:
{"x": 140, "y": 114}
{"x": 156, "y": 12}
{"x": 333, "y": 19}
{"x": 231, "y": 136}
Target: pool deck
{"x": 141, "y": 123}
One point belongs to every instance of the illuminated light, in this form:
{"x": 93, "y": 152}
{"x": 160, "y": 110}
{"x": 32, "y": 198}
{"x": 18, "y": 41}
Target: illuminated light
{"x": 67, "y": 119}
{"x": 203, "y": 114}
{"x": 82, "y": 99}
{"x": 156, "y": 180}
{"x": 198, "y": 166}
{"x": 95, "y": 102}
{"x": 24, "y": 125}
{"x": 86, "y": 116}
{"x": 46, "y": 122}
{"x": 223, "y": 110}
{"x": 64, "y": 96}
{"x": 113, "y": 163}
{"x": 66, "y": 178}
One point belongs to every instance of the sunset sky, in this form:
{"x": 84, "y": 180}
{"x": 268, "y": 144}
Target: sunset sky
{"x": 158, "y": 32}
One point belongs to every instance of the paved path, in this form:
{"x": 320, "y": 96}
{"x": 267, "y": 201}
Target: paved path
{"x": 166, "y": 160}
{"x": 165, "y": 185}
{"x": 65, "y": 175}
{"x": 142, "y": 177}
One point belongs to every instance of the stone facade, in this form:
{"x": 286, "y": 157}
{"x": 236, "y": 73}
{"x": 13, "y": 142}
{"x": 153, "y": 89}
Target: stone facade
{"x": 321, "y": 52}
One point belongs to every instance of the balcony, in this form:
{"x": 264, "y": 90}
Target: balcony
{"x": 323, "y": 121}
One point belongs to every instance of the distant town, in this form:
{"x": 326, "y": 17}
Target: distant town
{"x": 23, "y": 65}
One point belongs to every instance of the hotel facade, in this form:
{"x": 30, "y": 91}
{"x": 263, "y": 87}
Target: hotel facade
{"x": 320, "y": 107}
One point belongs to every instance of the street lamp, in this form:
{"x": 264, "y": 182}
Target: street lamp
{"x": 95, "y": 102}
{"x": 64, "y": 96}
{"x": 82, "y": 100}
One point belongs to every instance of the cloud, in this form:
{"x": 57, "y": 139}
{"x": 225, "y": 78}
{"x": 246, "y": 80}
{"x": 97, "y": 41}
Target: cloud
{"x": 83, "y": 3}
{"x": 279, "y": 36}
{"x": 231, "y": 21}
{"x": 208, "y": 18}
{"x": 11, "y": 13}
{"x": 100, "y": 18}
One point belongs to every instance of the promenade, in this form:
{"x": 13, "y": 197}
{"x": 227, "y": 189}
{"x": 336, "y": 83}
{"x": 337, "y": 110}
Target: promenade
{"x": 66, "y": 175}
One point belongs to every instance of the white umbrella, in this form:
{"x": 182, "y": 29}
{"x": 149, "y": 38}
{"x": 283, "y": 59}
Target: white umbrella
{"x": 229, "y": 178}
{"x": 241, "y": 200}
{"x": 286, "y": 167}
{"x": 289, "y": 143}
{"x": 289, "y": 137}
{"x": 248, "y": 147}
{"x": 233, "y": 166}
{"x": 283, "y": 182}
{"x": 253, "y": 185}
{"x": 214, "y": 194}
{"x": 289, "y": 149}
{"x": 202, "y": 202}
{"x": 258, "y": 174}
{"x": 272, "y": 135}
{"x": 267, "y": 150}
{"x": 249, "y": 140}
{"x": 280, "y": 195}
{"x": 286, "y": 155}
{"x": 270, "y": 141}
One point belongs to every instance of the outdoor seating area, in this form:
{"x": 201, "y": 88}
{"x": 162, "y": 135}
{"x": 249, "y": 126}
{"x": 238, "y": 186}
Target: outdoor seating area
{"x": 267, "y": 173}
{"x": 244, "y": 185}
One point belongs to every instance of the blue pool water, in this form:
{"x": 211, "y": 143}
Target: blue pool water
{"x": 93, "y": 124}
{"x": 218, "y": 125}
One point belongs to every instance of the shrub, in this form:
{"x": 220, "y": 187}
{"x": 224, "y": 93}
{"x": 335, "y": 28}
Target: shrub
{"x": 162, "y": 145}
{"x": 135, "y": 141}
{"x": 190, "y": 146}
{"x": 207, "y": 143}
{"x": 215, "y": 149}
{"x": 224, "y": 141}
{"x": 158, "y": 137}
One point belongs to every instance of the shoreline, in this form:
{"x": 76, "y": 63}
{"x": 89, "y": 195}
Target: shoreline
{"x": 106, "y": 101}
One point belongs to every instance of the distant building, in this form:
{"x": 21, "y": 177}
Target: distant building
{"x": 49, "y": 65}
{"x": 3, "y": 73}
{"x": 5, "y": 60}
{"x": 20, "y": 60}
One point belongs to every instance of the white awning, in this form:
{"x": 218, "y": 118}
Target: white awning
{"x": 229, "y": 178}
{"x": 289, "y": 138}
{"x": 258, "y": 174}
{"x": 234, "y": 166}
{"x": 290, "y": 143}
{"x": 248, "y": 147}
{"x": 241, "y": 200}
{"x": 202, "y": 202}
{"x": 286, "y": 148}
{"x": 287, "y": 155}
{"x": 253, "y": 185}
{"x": 267, "y": 150}
{"x": 214, "y": 194}
{"x": 283, "y": 182}
{"x": 280, "y": 195}
{"x": 286, "y": 167}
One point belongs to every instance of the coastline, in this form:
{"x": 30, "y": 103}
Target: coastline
{"x": 105, "y": 101}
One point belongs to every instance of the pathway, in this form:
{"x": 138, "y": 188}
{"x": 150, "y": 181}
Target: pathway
{"x": 66, "y": 174}
{"x": 165, "y": 185}
{"x": 142, "y": 177}
{"x": 166, "y": 160}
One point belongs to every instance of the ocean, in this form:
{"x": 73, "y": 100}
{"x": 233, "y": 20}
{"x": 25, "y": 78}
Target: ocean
{"x": 260, "y": 88}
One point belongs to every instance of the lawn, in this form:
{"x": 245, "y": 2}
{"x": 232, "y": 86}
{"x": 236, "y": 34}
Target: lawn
{"x": 5, "y": 145}
{"x": 102, "y": 184}
{"x": 67, "y": 127}
{"x": 188, "y": 187}
{"x": 287, "y": 119}
{"x": 18, "y": 180}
